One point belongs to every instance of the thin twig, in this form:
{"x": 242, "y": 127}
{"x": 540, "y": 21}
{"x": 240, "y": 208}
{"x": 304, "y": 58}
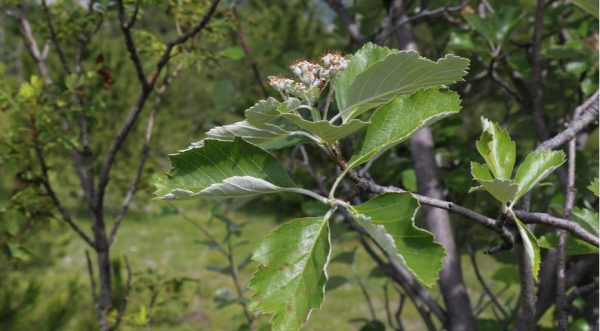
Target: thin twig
{"x": 482, "y": 281}
{"x": 144, "y": 154}
{"x": 59, "y": 50}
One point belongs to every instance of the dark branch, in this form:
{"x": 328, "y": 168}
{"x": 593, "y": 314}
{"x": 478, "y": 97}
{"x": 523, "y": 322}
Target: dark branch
{"x": 549, "y": 220}
{"x": 59, "y": 50}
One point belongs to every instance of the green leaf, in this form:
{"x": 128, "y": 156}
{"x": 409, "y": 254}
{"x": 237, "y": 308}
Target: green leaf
{"x": 590, "y": 6}
{"x": 398, "y": 74}
{"x": 262, "y": 112}
{"x": 574, "y": 246}
{"x": 402, "y": 117}
{"x": 480, "y": 171}
{"x": 588, "y": 219}
{"x": 359, "y": 62}
{"x": 290, "y": 280}
{"x": 267, "y": 136}
{"x": 497, "y": 149}
{"x": 233, "y": 52}
{"x": 325, "y": 130}
{"x": 535, "y": 168}
{"x": 197, "y": 169}
{"x": 594, "y": 186}
{"x": 389, "y": 220}
{"x": 532, "y": 248}
{"x": 503, "y": 190}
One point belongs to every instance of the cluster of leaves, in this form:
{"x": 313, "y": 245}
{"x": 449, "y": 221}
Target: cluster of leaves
{"x": 407, "y": 94}
{"x": 499, "y": 153}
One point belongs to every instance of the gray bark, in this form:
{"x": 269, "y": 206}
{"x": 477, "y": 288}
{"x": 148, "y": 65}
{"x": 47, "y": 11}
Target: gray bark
{"x": 456, "y": 299}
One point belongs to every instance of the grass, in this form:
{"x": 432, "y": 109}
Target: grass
{"x": 166, "y": 247}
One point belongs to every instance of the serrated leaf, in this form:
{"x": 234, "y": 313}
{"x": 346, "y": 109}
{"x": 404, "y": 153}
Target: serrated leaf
{"x": 532, "y": 248}
{"x": 590, "y": 6}
{"x": 262, "y": 112}
{"x": 196, "y": 169}
{"x": 290, "y": 280}
{"x": 480, "y": 171}
{"x": 594, "y": 186}
{"x": 359, "y": 61}
{"x": 498, "y": 150}
{"x": 503, "y": 190}
{"x": 389, "y": 220}
{"x": 325, "y": 130}
{"x": 399, "y": 74}
{"x": 535, "y": 168}
{"x": 400, "y": 118}
{"x": 267, "y": 136}
{"x": 574, "y": 246}
{"x": 588, "y": 219}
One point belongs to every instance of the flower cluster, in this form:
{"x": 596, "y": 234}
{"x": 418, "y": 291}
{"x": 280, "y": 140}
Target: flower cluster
{"x": 312, "y": 76}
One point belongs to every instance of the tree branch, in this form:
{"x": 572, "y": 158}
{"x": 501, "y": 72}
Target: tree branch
{"x": 144, "y": 154}
{"x": 59, "y": 50}
{"x": 46, "y": 183}
{"x": 31, "y": 43}
{"x": 137, "y": 107}
{"x": 549, "y": 220}
{"x": 561, "y": 300}
{"x": 348, "y": 21}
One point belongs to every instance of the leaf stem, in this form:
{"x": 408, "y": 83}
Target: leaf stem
{"x": 329, "y": 97}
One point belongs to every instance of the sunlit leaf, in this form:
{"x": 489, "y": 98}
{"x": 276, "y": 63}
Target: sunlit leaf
{"x": 389, "y": 220}
{"x": 532, "y": 248}
{"x": 359, "y": 61}
{"x": 325, "y": 130}
{"x": 290, "y": 279}
{"x": 535, "y": 168}
{"x": 266, "y": 136}
{"x": 402, "y": 117}
{"x": 399, "y": 74}
{"x": 197, "y": 169}
{"x": 498, "y": 150}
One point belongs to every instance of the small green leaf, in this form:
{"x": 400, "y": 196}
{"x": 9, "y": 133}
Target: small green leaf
{"x": 497, "y": 149}
{"x": 325, "y": 130}
{"x": 233, "y": 52}
{"x": 359, "y": 62}
{"x": 594, "y": 186}
{"x": 399, "y": 74}
{"x": 267, "y": 136}
{"x": 290, "y": 280}
{"x": 480, "y": 171}
{"x": 503, "y": 190}
{"x": 535, "y": 168}
{"x": 262, "y": 112}
{"x": 532, "y": 248}
{"x": 402, "y": 117}
{"x": 574, "y": 246}
{"x": 198, "y": 168}
{"x": 389, "y": 220}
